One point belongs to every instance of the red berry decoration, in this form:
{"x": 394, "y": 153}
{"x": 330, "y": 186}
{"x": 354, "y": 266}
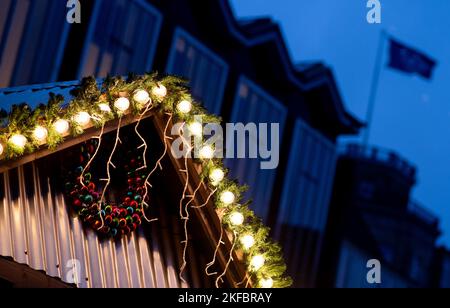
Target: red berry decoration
{"x": 108, "y": 219}
{"x": 126, "y": 230}
{"x": 123, "y": 212}
{"x": 115, "y": 223}
{"x": 90, "y": 219}
{"x": 76, "y": 203}
{"x": 129, "y": 220}
{"x": 96, "y": 225}
{"x": 105, "y": 230}
{"x": 122, "y": 223}
{"x": 91, "y": 186}
{"x": 91, "y": 148}
{"x": 88, "y": 199}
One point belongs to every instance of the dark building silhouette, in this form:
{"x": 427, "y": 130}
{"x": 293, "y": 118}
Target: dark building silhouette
{"x": 442, "y": 268}
{"x": 373, "y": 217}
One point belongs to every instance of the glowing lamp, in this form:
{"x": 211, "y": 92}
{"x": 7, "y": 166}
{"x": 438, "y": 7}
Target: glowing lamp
{"x": 227, "y": 197}
{"x": 216, "y": 176}
{"x": 266, "y": 283}
{"x": 196, "y": 129}
{"x": 236, "y": 219}
{"x": 184, "y": 106}
{"x": 40, "y": 133}
{"x": 206, "y": 152}
{"x": 82, "y": 118}
{"x": 160, "y": 91}
{"x": 104, "y": 107}
{"x": 61, "y": 126}
{"x": 122, "y": 104}
{"x": 247, "y": 241}
{"x": 257, "y": 262}
{"x": 18, "y": 140}
{"x": 141, "y": 97}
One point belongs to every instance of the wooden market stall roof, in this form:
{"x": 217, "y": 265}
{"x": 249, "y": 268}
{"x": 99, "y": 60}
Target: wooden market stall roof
{"x": 207, "y": 215}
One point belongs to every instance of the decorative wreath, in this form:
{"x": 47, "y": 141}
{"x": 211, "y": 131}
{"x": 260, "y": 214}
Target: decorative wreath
{"x": 109, "y": 218}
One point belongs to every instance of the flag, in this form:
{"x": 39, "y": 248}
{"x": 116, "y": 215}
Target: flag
{"x": 409, "y": 60}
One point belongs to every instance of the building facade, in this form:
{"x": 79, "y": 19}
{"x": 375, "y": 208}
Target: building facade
{"x": 239, "y": 70}
{"x": 33, "y": 39}
{"x": 373, "y": 218}
{"x": 442, "y": 268}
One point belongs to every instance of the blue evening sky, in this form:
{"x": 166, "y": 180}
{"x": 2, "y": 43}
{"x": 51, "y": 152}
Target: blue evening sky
{"x": 412, "y": 116}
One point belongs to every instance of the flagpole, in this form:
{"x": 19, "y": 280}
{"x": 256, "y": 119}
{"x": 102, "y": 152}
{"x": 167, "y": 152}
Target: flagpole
{"x": 374, "y": 87}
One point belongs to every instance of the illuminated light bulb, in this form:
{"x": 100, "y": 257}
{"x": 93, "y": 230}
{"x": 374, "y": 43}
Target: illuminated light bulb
{"x": 227, "y": 197}
{"x": 196, "y": 129}
{"x": 184, "y": 106}
{"x": 61, "y": 126}
{"x": 257, "y": 262}
{"x": 104, "y": 107}
{"x": 216, "y": 176}
{"x": 82, "y": 118}
{"x": 206, "y": 152}
{"x": 122, "y": 104}
{"x": 247, "y": 241}
{"x": 40, "y": 133}
{"x": 1, "y": 149}
{"x": 266, "y": 283}
{"x": 160, "y": 91}
{"x": 236, "y": 219}
{"x": 141, "y": 97}
{"x": 18, "y": 140}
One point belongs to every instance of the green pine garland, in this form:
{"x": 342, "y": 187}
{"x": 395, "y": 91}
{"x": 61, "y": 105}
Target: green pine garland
{"x": 87, "y": 98}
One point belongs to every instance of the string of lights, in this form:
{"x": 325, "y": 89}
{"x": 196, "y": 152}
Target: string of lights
{"x": 109, "y": 163}
{"x": 91, "y": 160}
{"x": 216, "y": 250}
{"x": 157, "y": 164}
{"x": 230, "y": 259}
{"x": 185, "y": 216}
{"x": 143, "y": 99}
